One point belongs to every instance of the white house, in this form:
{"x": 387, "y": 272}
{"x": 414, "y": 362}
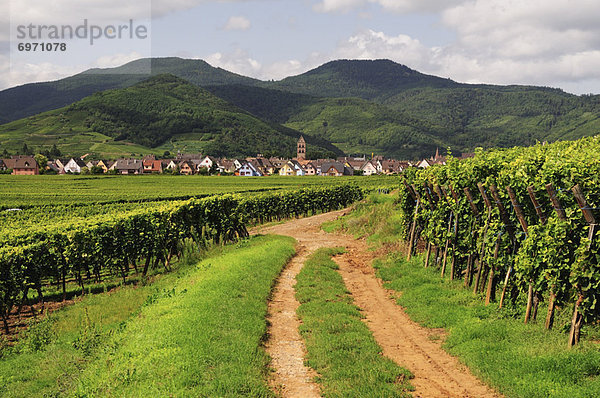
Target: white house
{"x": 423, "y": 164}
{"x": 298, "y": 169}
{"x": 248, "y": 170}
{"x": 368, "y": 168}
{"x": 207, "y": 162}
{"x": 74, "y": 166}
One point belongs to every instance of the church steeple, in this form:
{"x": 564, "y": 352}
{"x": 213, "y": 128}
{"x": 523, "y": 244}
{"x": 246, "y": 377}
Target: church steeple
{"x": 301, "y": 150}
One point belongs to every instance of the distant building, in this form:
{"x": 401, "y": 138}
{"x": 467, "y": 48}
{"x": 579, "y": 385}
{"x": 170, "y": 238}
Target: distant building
{"x": 74, "y": 165}
{"x": 128, "y": 166}
{"x": 301, "y": 150}
{"x": 22, "y": 165}
{"x": 248, "y": 170}
{"x": 368, "y": 168}
{"x": 152, "y": 166}
{"x": 309, "y": 169}
{"x": 336, "y": 169}
{"x": 437, "y": 159}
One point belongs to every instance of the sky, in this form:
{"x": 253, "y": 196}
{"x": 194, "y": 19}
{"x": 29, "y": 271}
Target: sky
{"x": 554, "y": 43}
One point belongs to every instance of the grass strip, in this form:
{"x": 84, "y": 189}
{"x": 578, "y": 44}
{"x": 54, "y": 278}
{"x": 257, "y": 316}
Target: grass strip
{"x": 202, "y": 337}
{"x": 340, "y": 346}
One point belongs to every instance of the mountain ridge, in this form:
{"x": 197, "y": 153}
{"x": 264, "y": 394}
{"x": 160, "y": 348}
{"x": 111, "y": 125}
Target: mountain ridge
{"x": 395, "y": 111}
{"x": 161, "y": 113}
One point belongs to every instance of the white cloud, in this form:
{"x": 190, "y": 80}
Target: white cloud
{"x": 400, "y": 6}
{"x": 70, "y": 11}
{"x": 238, "y": 62}
{"x": 114, "y": 60}
{"x": 546, "y": 42}
{"x": 372, "y": 45}
{"x": 237, "y": 23}
{"x": 338, "y": 5}
{"x": 23, "y": 72}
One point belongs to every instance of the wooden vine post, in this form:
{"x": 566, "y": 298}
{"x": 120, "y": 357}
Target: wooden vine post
{"x": 577, "y": 320}
{"x": 560, "y": 213}
{"x": 488, "y": 205}
{"x": 511, "y": 233}
{"x": 429, "y": 190}
{"x": 455, "y": 235}
{"x": 442, "y": 195}
{"x": 471, "y": 258}
{"x": 519, "y": 212}
{"x": 432, "y": 207}
{"x": 413, "y": 225}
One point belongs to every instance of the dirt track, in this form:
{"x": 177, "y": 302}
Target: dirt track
{"x": 437, "y": 374}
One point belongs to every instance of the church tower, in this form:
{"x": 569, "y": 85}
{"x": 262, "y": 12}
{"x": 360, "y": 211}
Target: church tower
{"x": 301, "y": 153}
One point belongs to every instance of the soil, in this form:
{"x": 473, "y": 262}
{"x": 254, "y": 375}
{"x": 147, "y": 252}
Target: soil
{"x": 436, "y": 373}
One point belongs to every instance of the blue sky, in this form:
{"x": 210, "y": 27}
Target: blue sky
{"x": 540, "y": 42}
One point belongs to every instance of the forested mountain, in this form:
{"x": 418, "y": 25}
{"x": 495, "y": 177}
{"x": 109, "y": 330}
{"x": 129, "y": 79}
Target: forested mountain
{"x": 352, "y": 124}
{"x": 371, "y": 80}
{"x": 30, "y": 99}
{"x": 361, "y": 106}
{"x": 414, "y": 121}
{"x": 161, "y": 113}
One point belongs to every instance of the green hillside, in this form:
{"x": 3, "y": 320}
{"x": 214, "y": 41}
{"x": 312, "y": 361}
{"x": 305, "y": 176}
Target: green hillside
{"x": 30, "y": 99}
{"x": 373, "y": 80}
{"x": 352, "y": 124}
{"x": 407, "y": 114}
{"x": 163, "y": 113}
{"x": 497, "y": 116}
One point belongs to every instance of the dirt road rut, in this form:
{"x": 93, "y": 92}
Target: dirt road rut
{"x": 437, "y": 374}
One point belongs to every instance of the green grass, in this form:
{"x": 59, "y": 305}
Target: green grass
{"x": 196, "y": 331}
{"x": 201, "y": 337}
{"x": 41, "y": 190}
{"x": 340, "y": 346}
{"x": 45, "y": 357}
{"x": 373, "y": 219}
{"x": 519, "y": 360}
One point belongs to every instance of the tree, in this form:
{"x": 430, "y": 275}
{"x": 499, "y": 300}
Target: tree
{"x": 25, "y": 150}
{"x": 97, "y": 170}
{"x": 203, "y": 171}
{"x": 55, "y": 152}
{"x": 41, "y": 161}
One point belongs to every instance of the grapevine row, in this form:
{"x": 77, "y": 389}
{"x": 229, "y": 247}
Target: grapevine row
{"x": 154, "y": 235}
{"x": 520, "y": 218}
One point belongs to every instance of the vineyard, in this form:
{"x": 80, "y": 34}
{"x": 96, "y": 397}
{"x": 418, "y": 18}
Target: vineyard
{"x": 41, "y": 246}
{"x": 65, "y": 190}
{"x": 518, "y": 221}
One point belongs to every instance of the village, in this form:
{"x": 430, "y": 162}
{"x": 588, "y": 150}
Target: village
{"x": 198, "y": 164}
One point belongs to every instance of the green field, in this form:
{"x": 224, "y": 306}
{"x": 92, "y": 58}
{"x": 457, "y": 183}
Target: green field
{"x": 197, "y": 331}
{"x": 23, "y": 191}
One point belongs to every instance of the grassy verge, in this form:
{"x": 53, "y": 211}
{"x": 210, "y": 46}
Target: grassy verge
{"x": 373, "y": 219}
{"x": 197, "y": 329}
{"x": 340, "y": 346}
{"x": 51, "y": 353}
{"x": 520, "y": 360}
{"x": 203, "y": 336}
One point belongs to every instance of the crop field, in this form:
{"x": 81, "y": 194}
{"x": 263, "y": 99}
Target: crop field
{"x": 24, "y": 191}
